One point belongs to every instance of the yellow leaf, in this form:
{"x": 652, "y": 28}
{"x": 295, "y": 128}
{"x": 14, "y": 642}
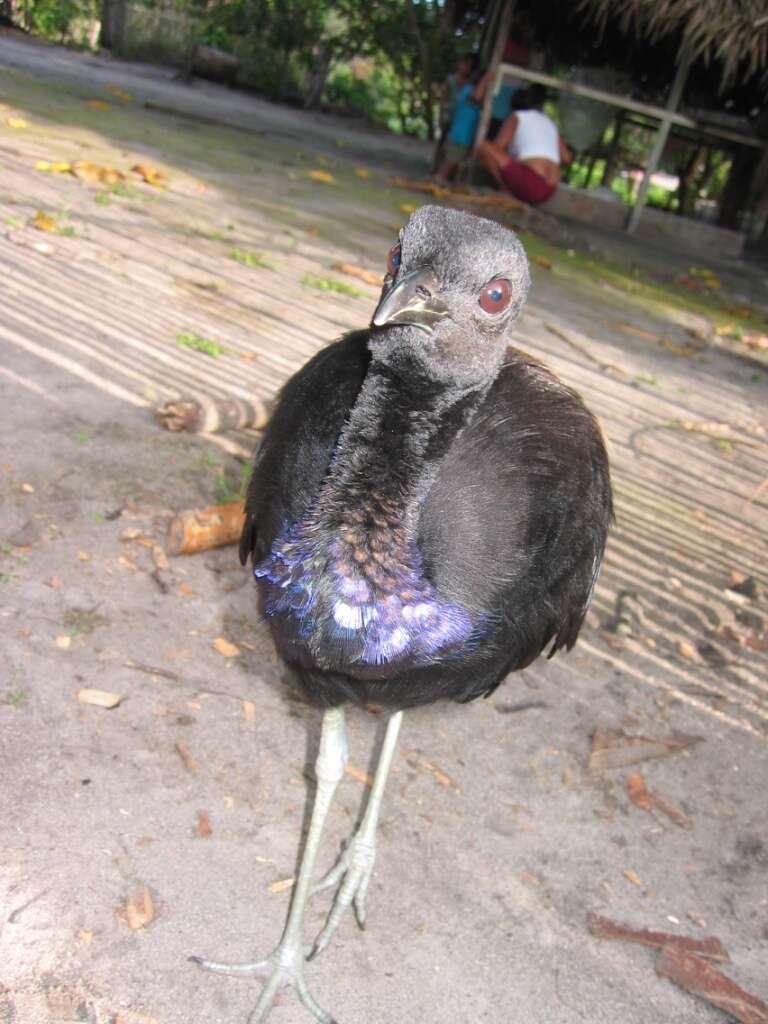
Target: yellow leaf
{"x": 119, "y": 93}
{"x": 362, "y": 172}
{"x": 99, "y": 105}
{"x": 44, "y": 221}
{"x": 16, "y": 122}
{"x": 225, "y": 648}
{"x": 151, "y": 175}
{"x": 408, "y": 208}
{"x": 64, "y": 642}
{"x": 57, "y": 167}
{"x": 324, "y": 176}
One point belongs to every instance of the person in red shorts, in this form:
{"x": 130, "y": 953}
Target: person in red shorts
{"x": 525, "y": 156}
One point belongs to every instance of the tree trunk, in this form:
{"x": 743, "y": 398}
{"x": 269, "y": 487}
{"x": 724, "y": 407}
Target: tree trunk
{"x": 612, "y": 155}
{"x": 737, "y": 188}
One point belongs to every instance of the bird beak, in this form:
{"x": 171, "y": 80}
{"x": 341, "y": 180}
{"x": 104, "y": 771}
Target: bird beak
{"x": 412, "y": 301}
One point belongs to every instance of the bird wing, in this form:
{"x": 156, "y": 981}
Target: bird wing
{"x": 293, "y": 457}
{"x": 514, "y": 526}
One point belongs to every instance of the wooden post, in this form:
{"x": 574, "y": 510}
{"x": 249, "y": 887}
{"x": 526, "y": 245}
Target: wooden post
{"x": 662, "y": 134}
{"x": 504, "y": 25}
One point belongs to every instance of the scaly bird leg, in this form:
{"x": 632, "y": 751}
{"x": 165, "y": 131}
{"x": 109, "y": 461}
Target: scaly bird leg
{"x": 356, "y": 863}
{"x": 285, "y": 966}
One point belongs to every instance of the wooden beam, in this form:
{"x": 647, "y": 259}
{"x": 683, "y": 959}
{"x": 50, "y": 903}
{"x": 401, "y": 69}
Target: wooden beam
{"x": 504, "y": 25}
{"x": 624, "y": 102}
{"x": 662, "y": 134}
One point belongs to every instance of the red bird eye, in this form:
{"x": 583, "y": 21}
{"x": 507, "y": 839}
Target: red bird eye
{"x": 496, "y": 295}
{"x": 393, "y": 260}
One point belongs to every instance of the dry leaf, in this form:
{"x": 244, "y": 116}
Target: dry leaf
{"x": 186, "y": 590}
{"x": 362, "y": 172}
{"x": 159, "y": 558}
{"x": 225, "y": 648}
{"x": 16, "y": 122}
{"x": 44, "y": 221}
{"x": 282, "y": 885}
{"x": 702, "y": 979}
{"x": 615, "y": 749}
{"x": 64, "y": 642}
{"x": 189, "y": 762}
{"x": 440, "y": 776}
{"x": 132, "y": 533}
{"x": 637, "y": 792}
{"x": 203, "y": 827}
{"x": 540, "y": 261}
{"x": 323, "y": 176}
{"x": 408, "y": 208}
{"x": 369, "y": 276}
{"x": 603, "y": 928}
{"x": 151, "y": 175}
{"x": 85, "y": 936}
{"x": 686, "y": 649}
{"x": 28, "y": 488}
{"x": 83, "y": 556}
{"x": 99, "y": 698}
{"x": 249, "y": 710}
{"x": 119, "y": 93}
{"x": 99, "y": 105}
{"x": 139, "y": 909}
{"x": 54, "y": 582}
{"x": 358, "y": 775}
{"x": 632, "y": 876}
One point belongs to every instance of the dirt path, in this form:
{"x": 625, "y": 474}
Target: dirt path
{"x": 496, "y": 838}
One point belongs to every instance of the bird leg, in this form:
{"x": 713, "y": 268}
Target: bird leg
{"x": 285, "y": 966}
{"x": 356, "y": 863}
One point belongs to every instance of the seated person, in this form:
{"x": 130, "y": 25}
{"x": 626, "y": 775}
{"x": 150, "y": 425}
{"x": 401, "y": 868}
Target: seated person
{"x": 525, "y": 157}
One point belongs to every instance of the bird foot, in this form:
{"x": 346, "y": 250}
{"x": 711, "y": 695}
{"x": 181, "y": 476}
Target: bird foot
{"x": 285, "y": 967}
{"x": 355, "y": 866}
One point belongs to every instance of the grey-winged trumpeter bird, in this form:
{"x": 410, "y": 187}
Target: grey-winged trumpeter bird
{"x": 427, "y": 513}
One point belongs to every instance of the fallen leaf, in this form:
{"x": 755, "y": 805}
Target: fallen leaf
{"x": 99, "y": 105}
{"x": 540, "y": 261}
{"x": 615, "y": 748}
{"x": 16, "y": 122}
{"x": 44, "y": 221}
{"x": 54, "y": 582}
{"x": 637, "y": 792}
{"x": 119, "y": 93}
{"x": 679, "y": 817}
{"x": 225, "y": 648}
{"x": 28, "y": 488}
{"x": 702, "y": 979}
{"x": 282, "y": 885}
{"x": 151, "y": 175}
{"x": 603, "y": 928}
{"x": 188, "y": 761}
{"x": 99, "y": 698}
{"x": 85, "y": 936}
{"x": 159, "y": 558}
{"x": 635, "y": 332}
{"x": 83, "y": 556}
{"x": 323, "y": 176}
{"x": 139, "y": 909}
{"x": 686, "y": 650}
{"x": 56, "y": 167}
{"x": 362, "y": 172}
{"x": 632, "y": 876}
{"x": 369, "y": 276}
{"x": 249, "y": 710}
{"x": 203, "y": 828}
{"x": 408, "y": 208}
{"x": 64, "y": 642}
{"x": 358, "y": 775}
{"x": 186, "y": 590}
{"x": 126, "y": 563}
{"x": 131, "y": 533}
{"x": 440, "y": 776}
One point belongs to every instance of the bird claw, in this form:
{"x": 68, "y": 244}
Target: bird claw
{"x": 355, "y": 866}
{"x": 285, "y": 967}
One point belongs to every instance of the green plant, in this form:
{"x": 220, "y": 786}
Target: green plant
{"x": 189, "y": 339}
{"x": 251, "y": 259}
{"x": 327, "y": 284}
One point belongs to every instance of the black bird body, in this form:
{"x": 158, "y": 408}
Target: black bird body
{"x": 428, "y": 511}
{"x": 479, "y": 514}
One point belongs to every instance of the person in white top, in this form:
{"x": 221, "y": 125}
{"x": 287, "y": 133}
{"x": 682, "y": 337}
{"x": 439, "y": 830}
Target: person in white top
{"x": 525, "y": 156}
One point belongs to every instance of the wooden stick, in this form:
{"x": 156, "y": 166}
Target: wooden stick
{"x": 212, "y": 415}
{"x": 200, "y": 529}
{"x": 703, "y": 980}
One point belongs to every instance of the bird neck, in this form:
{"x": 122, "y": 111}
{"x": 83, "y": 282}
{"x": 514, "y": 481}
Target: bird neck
{"x": 388, "y": 452}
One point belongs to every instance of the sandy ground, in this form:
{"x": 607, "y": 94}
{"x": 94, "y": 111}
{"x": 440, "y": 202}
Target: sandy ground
{"x": 496, "y": 839}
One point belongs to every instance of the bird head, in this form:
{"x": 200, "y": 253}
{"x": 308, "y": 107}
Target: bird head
{"x": 454, "y": 288}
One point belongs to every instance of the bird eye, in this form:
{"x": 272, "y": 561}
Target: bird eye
{"x": 393, "y": 259}
{"x": 495, "y": 295}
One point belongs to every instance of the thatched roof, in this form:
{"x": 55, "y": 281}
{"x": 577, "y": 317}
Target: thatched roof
{"x": 730, "y": 33}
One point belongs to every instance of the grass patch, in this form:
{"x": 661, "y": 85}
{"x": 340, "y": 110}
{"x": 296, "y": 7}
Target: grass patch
{"x": 251, "y": 259}
{"x": 189, "y": 339}
{"x": 16, "y": 697}
{"x": 82, "y": 621}
{"x": 327, "y": 284}
{"x": 228, "y": 488}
